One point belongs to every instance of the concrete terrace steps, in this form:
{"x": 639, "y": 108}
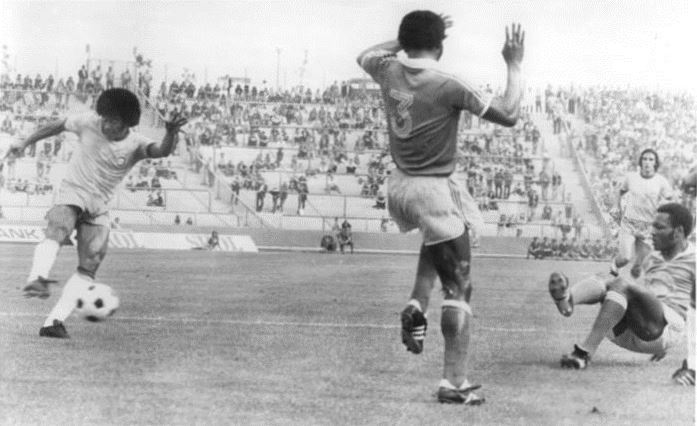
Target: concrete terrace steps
{"x": 566, "y": 166}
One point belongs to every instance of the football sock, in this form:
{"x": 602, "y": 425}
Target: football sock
{"x": 454, "y": 325}
{"x": 76, "y": 284}
{"x": 445, "y": 383}
{"x": 415, "y": 303}
{"x": 690, "y": 325}
{"x": 44, "y": 256}
{"x": 611, "y": 312}
{"x": 588, "y": 291}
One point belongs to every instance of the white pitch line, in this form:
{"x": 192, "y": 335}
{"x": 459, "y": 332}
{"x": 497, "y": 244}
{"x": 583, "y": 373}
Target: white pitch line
{"x": 271, "y": 323}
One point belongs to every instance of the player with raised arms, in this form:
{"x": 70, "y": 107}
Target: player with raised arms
{"x": 648, "y": 315}
{"x": 640, "y": 195}
{"x": 423, "y": 105}
{"x": 106, "y": 151}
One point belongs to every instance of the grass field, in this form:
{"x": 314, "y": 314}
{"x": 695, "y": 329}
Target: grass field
{"x": 301, "y": 338}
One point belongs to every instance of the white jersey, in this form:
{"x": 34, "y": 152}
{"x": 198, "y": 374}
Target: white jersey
{"x": 671, "y": 280}
{"x": 98, "y": 165}
{"x": 644, "y": 195}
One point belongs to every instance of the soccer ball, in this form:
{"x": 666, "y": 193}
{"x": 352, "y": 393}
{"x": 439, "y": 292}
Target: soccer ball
{"x": 97, "y": 302}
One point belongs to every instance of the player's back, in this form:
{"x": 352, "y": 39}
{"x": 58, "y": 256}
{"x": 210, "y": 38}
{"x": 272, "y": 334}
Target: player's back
{"x": 423, "y": 106}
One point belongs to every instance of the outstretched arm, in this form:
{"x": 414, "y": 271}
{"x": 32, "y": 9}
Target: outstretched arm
{"x": 51, "y": 129}
{"x": 165, "y": 148}
{"x": 504, "y": 110}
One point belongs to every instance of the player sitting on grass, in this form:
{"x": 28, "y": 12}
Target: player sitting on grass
{"x": 646, "y": 316}
{"x": 106, "y": 151}
{"x": 423, "y": 105}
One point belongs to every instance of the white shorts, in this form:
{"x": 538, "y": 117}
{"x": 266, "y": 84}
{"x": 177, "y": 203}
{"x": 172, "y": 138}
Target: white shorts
{"x": 438, "y": 206}
{"x": 673, "y": 335}
{"x": 94, "y": 211}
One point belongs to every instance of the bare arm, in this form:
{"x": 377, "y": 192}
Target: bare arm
{"x": 51, "y": 129}
{"x": 391, "y": 46}
{"x": 169, "y": 141}
{"x": 504, "y": 110}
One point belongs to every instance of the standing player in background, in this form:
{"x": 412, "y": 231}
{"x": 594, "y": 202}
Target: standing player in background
{"x": 107, "y": 149}
{"x": 423, "y": 105}
{"x": 650, "y": 315}
{"x": 640, "y": 195}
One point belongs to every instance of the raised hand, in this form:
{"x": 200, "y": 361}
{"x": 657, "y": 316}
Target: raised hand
{"x": 175, "y": 123}
{"x": 447, "y": 20}
{"x": 514, "y": 48}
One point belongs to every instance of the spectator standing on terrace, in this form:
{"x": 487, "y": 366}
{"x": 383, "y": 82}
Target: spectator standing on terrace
{"x": 110, "y": 78}
{"x": 640, "y": 195}
{"x": 282, "y": 196}
{"x": 261, "y": 195}
{"x": 424, "y": 105}
{"x": 106, "y": 151}
{"x": 302, "y": 197}
{"x": 544, "y": 184}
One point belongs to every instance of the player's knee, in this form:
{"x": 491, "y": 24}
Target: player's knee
{"x": 618, "y": 285}
{"x": 58, "y": 231}
{"x": 89, "y": 265}
{"x": 61, "y": 222}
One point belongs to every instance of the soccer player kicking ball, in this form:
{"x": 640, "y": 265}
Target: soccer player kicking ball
{"x": 646, "y": 316}
{"x": 423, "y": 105}
{"x": 107, "y": 149}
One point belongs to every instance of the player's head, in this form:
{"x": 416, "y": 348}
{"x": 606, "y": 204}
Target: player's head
{"x": 422, "y": 30}
{"x": 648, "y": 162}
{"x": 119, "y": 109}
{"x": 673, "y": 223}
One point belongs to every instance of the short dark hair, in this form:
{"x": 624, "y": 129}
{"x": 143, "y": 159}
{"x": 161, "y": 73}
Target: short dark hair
{"x": 655, "y": 154}
{"x": 421, "y": 30}
{"x": 120, "y": 103}
{"x": 678, "y": 215}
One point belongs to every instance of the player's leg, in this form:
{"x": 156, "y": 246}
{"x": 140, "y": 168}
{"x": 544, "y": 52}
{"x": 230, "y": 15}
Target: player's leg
{"x": 61, "y": 223}
{"x": 626, "y": 307}
{"x": 451, "y": 260}
{"x": 588, "y": 291}
{"x": 92, "y": 242}
{"x": 413, "y": 317}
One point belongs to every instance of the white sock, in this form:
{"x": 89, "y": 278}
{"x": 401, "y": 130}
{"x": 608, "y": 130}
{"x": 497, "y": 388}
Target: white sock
{"x": 68, "y": 300}
{"x": 690, "y": 325}
{"x": 415, "y": 303}
{"x": 445, "y": 383}
{"x": 44, "y": 256}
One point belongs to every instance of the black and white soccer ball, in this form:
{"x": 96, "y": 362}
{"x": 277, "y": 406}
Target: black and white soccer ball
{"x": 97, "y": 302}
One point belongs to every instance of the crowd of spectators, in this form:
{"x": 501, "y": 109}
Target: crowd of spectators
{"x": 619, "y": 124}
{"x": 323, "y": 132}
